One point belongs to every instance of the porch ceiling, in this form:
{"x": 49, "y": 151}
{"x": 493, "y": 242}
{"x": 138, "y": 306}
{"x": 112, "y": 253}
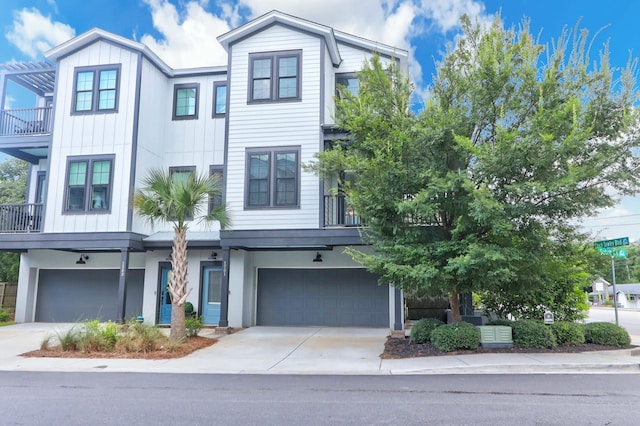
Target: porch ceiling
{"x": 37, "y": 77}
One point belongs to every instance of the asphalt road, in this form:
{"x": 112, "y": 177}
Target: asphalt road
{"x": 28, "y": 398}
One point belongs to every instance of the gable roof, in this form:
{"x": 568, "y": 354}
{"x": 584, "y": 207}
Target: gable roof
{"x": 276, "y": 17}
{"x": 97, "y": 34}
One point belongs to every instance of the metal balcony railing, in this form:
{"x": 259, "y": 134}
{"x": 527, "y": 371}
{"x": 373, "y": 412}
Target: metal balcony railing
{"x": 20, "y": 218}
{"x": 338, "y": 212}
{"x": 28, "y": 121}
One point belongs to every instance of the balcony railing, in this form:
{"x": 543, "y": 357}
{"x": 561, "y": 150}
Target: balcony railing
{"x": 338, "y": 212}
{"x": 20, "y": 218}
{"x": 29, "y": 121}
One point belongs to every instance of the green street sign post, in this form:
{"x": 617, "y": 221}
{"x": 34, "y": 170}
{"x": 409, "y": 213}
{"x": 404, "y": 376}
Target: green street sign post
{"x": 610, "y": 248}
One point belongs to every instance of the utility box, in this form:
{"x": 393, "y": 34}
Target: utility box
{"x": 495, "y": 336}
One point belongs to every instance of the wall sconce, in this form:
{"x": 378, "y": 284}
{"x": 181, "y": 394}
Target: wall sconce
{"x": 318, "y": 257}
{"x": 214, "y": 256}
{"x": 83, "y": 259}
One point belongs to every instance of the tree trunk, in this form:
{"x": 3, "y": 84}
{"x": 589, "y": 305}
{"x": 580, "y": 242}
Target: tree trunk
{"x": 178, "y": 285}
{"x": 454, "y": 301}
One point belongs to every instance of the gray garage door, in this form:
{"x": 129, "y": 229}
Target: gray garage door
{"x": 321, "y": 297}
{"x": 73, "y": 295}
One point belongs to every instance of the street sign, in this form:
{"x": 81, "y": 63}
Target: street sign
{"x": 620, "y": 253}
{"x": 611, "y": 243}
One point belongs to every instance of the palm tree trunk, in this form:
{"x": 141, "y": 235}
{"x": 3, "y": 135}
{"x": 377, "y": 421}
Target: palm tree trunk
{"x": 178, "y": 285}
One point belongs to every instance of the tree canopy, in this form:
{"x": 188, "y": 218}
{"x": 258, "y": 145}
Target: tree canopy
{"x": 474, "y": 192}
{"x": 13, "y": 187}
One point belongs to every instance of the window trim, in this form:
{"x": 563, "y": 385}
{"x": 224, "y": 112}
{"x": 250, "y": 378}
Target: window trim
{"x": 216, "y": 85}
{"x": 180, "y": 169}
{"x": 95, "y": 91}
{"x": 212, "y": 169}
{"x": 275, "y": 76}
{"x": 271, "y": 181}
{"x": 90, "y": 159}
{"x": 176, "y": 88}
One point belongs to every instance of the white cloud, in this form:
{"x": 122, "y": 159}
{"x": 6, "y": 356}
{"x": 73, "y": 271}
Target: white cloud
{"x": 188, "y": 36}
{"x": 189, "y": 31}
{"x": 34, "y": 33}
{"x": 8, "y": 101}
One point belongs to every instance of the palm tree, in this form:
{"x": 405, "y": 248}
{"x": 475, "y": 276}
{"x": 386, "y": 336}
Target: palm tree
{"x": 178, "y": 199}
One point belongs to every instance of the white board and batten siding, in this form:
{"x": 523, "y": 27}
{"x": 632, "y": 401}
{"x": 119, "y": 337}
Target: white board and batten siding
{"x": 92, "y": 134}
{"x": 276, "y": 124}
{"x": 165, "y": 143}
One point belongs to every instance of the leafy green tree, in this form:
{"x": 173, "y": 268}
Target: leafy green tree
{"x": 13, "y": 186}
{"x": 516, "y": 140}
{"x": 178, "y": 201}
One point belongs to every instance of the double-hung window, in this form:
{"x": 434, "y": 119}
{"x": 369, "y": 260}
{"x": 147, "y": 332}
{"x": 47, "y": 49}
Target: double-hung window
{"x": 89, "y": 184}
{"x": 274, "y": 76}
{"x": 185, "y": 101}
{"x": 219, "y": 98}
{"x": 273, "y": 177}
{"x": 96, "y": 89}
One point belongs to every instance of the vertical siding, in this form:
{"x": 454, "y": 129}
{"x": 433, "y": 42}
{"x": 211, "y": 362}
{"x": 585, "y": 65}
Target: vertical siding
{"x": 273, "y": 125}
{"x": 92, "y": 134}
{"x": 164, "y": 143}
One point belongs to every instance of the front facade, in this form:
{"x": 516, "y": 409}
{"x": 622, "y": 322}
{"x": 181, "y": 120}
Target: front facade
{"x": 110, "y": 110}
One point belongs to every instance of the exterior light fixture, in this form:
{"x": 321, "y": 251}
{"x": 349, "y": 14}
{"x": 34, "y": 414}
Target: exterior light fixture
{"x": 318, "y": 257}
{"x": 214, "y": 256}
{"x": 83, "y": 259}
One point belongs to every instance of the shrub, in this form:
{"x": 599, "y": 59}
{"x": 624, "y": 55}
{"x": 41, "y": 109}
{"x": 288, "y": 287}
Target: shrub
{"x": 504, "y": 322}
{"x": 69, "y": 339}
{"x": 459, "y": 335}
{"x": 4, "y": 315}
{"x": 139, "y": 337}
{"x": 188, "y": 307}
{"x": 421, "y": 330}
{"x": 605, "y": 333}
{"x": 193, "y": 325}
{"x": 532, "y": 334}
{"x": 567, "y": 333}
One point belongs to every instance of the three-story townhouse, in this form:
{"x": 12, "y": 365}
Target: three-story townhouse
{"x": 114, "y": 110}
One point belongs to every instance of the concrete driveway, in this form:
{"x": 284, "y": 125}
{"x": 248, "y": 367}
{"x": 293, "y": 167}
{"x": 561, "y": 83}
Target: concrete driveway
{"x": 252, "y": 350}
{"x": 297, "y": 349}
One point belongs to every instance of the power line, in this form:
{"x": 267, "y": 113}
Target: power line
{"x": 613, "y": 217}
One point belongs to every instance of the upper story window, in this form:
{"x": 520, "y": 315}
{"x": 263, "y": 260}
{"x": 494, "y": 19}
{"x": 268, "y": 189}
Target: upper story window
{"x": 96, "y": 89}
{"x": 219, "y": 98}
{"x": 185, "y": 101}
{"x": 272, "y": 177}
{"x": 215, "y": 200}
{"x": 274, "y": 76}
{"x": 181, "y": 174}
{"x": 349, "y": 82}
{"x": 89, "y": 184}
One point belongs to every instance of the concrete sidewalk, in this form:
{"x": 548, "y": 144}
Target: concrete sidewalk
{"x": 306, "y": 350}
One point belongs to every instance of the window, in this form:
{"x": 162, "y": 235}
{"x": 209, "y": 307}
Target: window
{"x": 215, "y": 200}
{"x": 89, "y": 184}
{"x": 181, "y": 174}
{"x": 272, "y": 178}
{"x": 274, "y": 77}
{"x": 349, "y": 82}
{"x": 219, "y": 98}
{"x": 185, "y": 101}
{"x": 96, "y": 89}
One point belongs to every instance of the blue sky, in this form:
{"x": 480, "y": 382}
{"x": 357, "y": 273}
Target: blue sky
{"x": 183, "y": 33}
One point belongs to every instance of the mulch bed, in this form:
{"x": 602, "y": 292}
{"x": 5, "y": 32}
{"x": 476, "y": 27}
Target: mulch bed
{"x": 404, "y": 348}
{"x": 192, "y": 344}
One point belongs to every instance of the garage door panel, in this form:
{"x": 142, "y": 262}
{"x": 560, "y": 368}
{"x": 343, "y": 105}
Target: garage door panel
{"x": 78, "y": 295}
{"x": 329, "y": 297}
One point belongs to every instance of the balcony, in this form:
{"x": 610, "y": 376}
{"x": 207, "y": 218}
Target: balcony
{"x": 28, "y": 121}
{"x": 20, "y": 218}
{"x": 338, "y": 212}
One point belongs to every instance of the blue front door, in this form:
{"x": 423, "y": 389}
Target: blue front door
{"x": 164, "y": 316}
{"x": 211, "y": 294}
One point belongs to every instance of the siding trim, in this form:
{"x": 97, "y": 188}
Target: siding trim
{"x": 134, "y": 143}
